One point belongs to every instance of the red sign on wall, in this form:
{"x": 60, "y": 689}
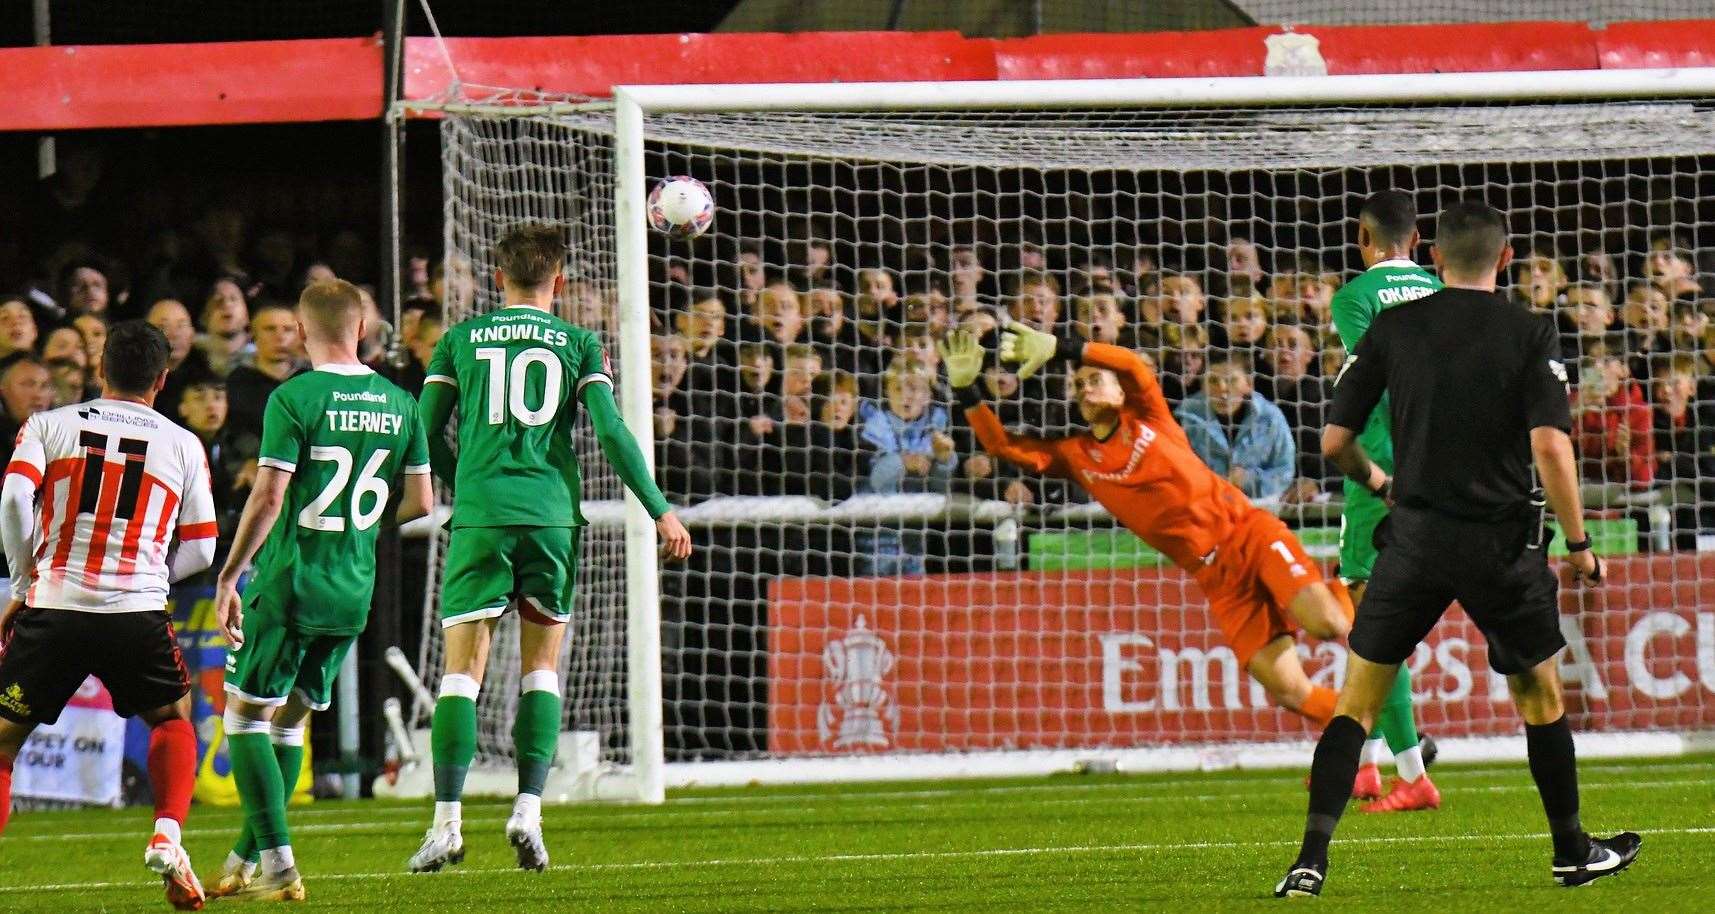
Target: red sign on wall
{"x": 1131, "y": 657}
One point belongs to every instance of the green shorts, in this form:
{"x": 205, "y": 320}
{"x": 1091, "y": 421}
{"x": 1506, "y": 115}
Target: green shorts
{"x": 1363, "y": 513}
{"x": 276, "y": 660}
{"x": 488, "y": 567}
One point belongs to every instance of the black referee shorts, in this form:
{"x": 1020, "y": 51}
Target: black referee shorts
{"x": 1428, "y": 560}
{"x": 52, "y": 651}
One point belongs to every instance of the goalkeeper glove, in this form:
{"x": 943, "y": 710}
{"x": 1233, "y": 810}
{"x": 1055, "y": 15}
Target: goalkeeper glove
{"x": 963, "y": 357}
{"x": 1028, "y": 347}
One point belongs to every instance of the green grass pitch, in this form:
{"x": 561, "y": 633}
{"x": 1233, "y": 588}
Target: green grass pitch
{"x": 1182, "y": 843}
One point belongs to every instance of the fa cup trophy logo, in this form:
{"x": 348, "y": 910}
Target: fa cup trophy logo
{"x": 861, "y": 710}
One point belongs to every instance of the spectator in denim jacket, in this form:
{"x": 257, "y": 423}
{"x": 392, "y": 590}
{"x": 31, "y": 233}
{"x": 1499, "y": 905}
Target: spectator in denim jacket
{"x": 909, "y": 451}
{"x": 1237, "y": 432}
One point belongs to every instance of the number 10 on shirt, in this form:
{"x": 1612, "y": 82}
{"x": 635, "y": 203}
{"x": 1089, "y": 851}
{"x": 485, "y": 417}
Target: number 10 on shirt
{"x": 508, "y": 385}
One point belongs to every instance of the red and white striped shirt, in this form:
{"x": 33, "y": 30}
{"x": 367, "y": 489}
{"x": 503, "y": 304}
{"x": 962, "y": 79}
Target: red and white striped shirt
{"x": 117, "y": 482}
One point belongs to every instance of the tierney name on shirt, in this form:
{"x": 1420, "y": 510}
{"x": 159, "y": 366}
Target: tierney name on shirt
{"x": 358, "y": 420}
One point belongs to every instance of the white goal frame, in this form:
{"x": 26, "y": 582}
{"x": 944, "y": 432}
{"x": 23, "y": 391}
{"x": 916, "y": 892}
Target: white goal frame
{"x": 649, "y": 775}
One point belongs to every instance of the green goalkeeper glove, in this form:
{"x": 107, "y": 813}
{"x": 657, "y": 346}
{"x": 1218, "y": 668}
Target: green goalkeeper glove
{"x": 1028, "y": 347}
{"x": 963, "y": 356}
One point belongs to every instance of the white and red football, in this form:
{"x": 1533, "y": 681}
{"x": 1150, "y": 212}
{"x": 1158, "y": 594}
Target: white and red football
{"x": 681, "y": 207}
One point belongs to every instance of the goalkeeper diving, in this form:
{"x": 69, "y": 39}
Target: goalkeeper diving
{"x": 1136, "y": 461}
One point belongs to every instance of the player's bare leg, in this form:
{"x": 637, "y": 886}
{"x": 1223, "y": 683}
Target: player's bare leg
{"x": 172, "y": 773}
{"x": 1278, "y": 670}
{"x": 1578, "y": 856}
{"x": 453, "y": 740}
{"x": 251, "y": 872}
{"x": 1320, "y": 612}
{"x": 535, "y": 734}
{"x": 12, "y": 738}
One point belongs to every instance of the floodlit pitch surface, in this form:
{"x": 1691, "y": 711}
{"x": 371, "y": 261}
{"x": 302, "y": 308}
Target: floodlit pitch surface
{"x": 1193, "y": 842}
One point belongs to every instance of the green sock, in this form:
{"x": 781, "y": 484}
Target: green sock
{"x": 1396, "y": 722}
{"x": 452, "y": 737}
{"x": 535, "y": 735}
{"x": 291, "y": 761}
{"x": 257, "y": 774}
{"x": 246, "y": 845}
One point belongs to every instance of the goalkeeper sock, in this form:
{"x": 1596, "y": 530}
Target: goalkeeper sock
{"x": 1332, "y": 772}
{"x": 1373, "y": 749}
{"x": 1319, "y": 707}
{"x": 257, "y": 775}
{"x": 452, "y": 736}
{"x": 536, "y": 729}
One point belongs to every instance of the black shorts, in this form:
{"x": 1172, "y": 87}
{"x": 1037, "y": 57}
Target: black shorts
{"x": 52, "y": 651}
{"x": 1427, "y": 561}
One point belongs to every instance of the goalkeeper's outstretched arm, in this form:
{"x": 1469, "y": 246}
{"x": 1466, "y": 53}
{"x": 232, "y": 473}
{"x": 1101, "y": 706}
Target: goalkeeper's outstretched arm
{"x": 962, "y": 356}
{"x": 1031, "y": 349}
{"x": 627, "y": 461}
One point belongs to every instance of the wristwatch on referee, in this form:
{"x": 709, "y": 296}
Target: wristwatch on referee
{"x": 1582, "y": 545}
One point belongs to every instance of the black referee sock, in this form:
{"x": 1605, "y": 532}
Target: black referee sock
{"x": 1332, "y": 771}
{"x": 1554, "y": 765}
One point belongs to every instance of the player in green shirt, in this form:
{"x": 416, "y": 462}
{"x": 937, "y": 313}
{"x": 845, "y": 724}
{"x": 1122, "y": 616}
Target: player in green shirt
{"x": 516, "y": 377}
{"x": 1387, "y": 234}
{"x": 335, "y": 440}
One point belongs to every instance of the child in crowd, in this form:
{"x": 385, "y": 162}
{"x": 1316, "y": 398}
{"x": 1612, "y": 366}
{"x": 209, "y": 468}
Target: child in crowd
{"x": 1246, "y": 324}
{"x": 1612, "y": 428}
{"x": 909, "y": 450}
{"x": 1101, "y": 319}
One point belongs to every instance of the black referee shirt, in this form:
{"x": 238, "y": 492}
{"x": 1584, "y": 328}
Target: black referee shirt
{"x": 1468, "y": 375}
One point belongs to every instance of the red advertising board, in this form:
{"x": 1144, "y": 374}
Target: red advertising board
{"x": 1039, "y": 660}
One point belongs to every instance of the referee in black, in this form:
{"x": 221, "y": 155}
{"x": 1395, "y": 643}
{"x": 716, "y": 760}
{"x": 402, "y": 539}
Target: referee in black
{"x": 1477, "y": 390}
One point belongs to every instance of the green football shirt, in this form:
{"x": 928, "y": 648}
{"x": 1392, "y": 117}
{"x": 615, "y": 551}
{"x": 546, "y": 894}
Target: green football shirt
{"x": 346, "y": 435}
{"x": 1389, "y": 283}
{"x": 518, "y": 372}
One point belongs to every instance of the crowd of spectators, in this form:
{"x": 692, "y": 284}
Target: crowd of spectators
{"x": 810, "y": 378}
{"x": 783, "y": 371}
{"x": 232, "y": 343}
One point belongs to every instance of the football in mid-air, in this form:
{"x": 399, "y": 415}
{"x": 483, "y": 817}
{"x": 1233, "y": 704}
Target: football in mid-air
{"x": 681, "y": 207}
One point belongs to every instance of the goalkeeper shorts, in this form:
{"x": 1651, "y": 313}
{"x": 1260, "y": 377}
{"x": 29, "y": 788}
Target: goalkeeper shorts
{"x": 490, "y": 567}
{"x": 1253, "y": 579}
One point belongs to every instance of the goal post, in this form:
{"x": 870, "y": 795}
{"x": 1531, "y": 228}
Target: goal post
{"x": 837, "y": 632}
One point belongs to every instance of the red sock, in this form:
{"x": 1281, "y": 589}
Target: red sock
{"x": 5, "y": 791}
{"x": 173, "y": 768}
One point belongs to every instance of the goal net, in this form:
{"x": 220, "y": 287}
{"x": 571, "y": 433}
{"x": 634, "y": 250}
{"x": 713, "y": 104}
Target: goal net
{"x": 872, "y": 596}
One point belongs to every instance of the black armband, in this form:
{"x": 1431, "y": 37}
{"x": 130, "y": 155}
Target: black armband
{"x": 1582, "y": 545}
{"x": 1069, "y": 346}
{"x": 968, "y": 396}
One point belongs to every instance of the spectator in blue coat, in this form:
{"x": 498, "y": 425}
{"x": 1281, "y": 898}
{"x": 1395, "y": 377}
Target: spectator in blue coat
{"x": 1237, "y": 431}
{"x": 909, "y": 450}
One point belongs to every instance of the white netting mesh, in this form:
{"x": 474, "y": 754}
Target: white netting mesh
{"x": 870, "y": 587}
{"x": 499, "y": 172}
